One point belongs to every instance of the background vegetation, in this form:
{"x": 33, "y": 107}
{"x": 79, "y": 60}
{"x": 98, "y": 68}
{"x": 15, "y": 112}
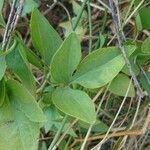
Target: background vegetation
{"x": 75, "y": 74}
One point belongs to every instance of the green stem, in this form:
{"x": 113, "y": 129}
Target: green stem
{"x": 58, "y": 133}
{"x": 104, "y": 22}
{"x": 80, "y": 14}
{"x": 101, "y": 31}
{"x": 90, "y": 26}
{"x": 67, "y": 144}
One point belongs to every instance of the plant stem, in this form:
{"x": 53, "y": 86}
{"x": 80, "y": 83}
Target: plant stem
{"x": 104, "y": 22}
{"x": 58, "y": 133}
{"x": 90, "y": 26}
{"x": 101, "y": 31}
{"x": 80, "y": 14}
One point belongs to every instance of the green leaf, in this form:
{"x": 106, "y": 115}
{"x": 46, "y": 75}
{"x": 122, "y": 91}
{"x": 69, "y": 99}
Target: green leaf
{"x": 146, "y": 46}
{"x": 25, "y": 101}
{"x": 2, "y": 92}
{"x": 18, "y": 63}
{"x": 2, "y": 66}
{"x": 66, "y": 59}
{"x": 120, "y": 85}
{"x": 100, "y": 67}
{"x": 17, "y": 132}
{"x": 31, "y": 56}
{"x": 145, "y": 81}
{"x": 75, "y": 103}
{"x": 44, "y": 38}
{"x": 142, "y": 19}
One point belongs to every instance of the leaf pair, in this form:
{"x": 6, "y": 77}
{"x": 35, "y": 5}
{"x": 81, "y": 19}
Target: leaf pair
{"x": 94, "y": 71}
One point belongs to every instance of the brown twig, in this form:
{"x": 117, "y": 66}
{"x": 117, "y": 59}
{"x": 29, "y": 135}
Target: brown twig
{"x": 116, "y": 19}
{"x": 117, "y": 134}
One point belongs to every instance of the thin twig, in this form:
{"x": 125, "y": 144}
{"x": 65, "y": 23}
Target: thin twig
{"x": 122, "y": 48}
{"x": 50, "y": 8}
{"x": 15, "y": 21}
{"x": 11, "y": 24}
{"x": 67, "y": 12}
{"x": 117, "y": 134}
{"x": 8, "y": 25}
{"x": 18, "y": 13}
